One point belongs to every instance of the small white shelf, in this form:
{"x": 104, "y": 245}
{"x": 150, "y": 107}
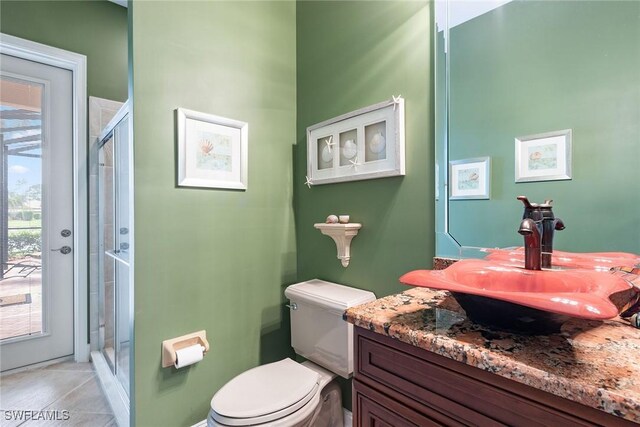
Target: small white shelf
{"x": 342, "y": 234}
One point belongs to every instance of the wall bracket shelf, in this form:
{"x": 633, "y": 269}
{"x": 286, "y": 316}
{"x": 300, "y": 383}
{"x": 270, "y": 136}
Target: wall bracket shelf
{"x": 342, "y": 234}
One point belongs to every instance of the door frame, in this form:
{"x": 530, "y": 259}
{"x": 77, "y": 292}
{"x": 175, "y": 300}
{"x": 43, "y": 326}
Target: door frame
{"x": 77, "y": 64}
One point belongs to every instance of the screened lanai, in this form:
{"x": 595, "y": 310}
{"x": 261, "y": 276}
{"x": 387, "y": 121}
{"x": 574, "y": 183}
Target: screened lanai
{"x": 21, "y": 149}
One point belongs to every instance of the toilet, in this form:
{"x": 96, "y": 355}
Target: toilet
{"x": 287, "y": 393}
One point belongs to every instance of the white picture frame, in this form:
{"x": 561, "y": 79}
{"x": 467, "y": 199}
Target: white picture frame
{"x": 470, "y": 179}
{"x": 364, "y": 144}
{"x": 543, "y": 157}
{"x": 212, "y": 151}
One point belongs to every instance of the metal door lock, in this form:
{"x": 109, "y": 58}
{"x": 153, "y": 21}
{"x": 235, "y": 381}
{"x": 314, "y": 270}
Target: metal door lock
{"x": 63, "y": 250}
{"x": 65, "y": 233}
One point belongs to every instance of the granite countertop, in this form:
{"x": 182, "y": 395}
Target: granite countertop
{"x": 593, "y": 363}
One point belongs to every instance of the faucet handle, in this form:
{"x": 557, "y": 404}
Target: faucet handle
{"x": 525, "y": 200}
{"x": 527, "y": 227}
{"x": 531, "y": 210}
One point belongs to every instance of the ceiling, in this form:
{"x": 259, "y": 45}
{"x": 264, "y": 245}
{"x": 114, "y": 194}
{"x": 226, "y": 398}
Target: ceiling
{"x": 122, "y": 3}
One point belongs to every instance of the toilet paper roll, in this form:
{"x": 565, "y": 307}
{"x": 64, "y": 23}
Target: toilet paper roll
{"x": 189, "y": 355}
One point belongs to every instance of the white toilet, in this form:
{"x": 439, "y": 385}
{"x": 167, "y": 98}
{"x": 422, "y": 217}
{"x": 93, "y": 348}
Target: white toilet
{"x": 287, "y": 393}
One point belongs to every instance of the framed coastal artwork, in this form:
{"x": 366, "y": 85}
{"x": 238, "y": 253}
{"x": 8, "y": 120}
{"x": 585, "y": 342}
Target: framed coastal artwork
{"x": 212, "y": 151}
{"x": 543, "y": 157}
{"x": 470, "y": 178}
{"x": 363, "y": 144}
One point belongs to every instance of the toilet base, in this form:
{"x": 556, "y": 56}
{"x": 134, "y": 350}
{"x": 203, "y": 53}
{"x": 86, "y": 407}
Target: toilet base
{"x": 329, "y": 411}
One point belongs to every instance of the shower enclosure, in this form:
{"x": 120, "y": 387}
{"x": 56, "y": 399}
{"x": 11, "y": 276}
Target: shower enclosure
{"x": 115, "y": 301}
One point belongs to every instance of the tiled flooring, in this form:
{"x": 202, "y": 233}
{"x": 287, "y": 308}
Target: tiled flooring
{"x": 67, "y": 386}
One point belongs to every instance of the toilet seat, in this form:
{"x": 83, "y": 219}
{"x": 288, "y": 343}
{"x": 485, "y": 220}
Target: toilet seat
{"x": 266, "y": 393}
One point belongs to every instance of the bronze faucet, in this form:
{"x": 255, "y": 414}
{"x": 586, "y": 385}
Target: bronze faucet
{"x": 538, "y": 233}
{"x": 529, "y": 229}
{"x": 549, "y": 225}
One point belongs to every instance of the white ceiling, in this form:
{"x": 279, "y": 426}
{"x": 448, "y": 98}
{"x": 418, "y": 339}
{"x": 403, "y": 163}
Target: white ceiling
{"x": 122, "y": 3}
{"x": 461, "y": 11}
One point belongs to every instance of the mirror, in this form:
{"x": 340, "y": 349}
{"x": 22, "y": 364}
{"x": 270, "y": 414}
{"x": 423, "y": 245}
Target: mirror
{"x": 512, "y": 77}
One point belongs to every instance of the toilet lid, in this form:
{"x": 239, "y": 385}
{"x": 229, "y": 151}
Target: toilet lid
{"x": 276, "y": 389}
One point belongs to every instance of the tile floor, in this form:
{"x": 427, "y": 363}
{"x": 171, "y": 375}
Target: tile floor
{"x": 67, "y": 386}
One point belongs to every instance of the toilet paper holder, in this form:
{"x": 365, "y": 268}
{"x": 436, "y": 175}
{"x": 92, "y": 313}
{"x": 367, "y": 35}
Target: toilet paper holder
{"x": 169, "y": 347}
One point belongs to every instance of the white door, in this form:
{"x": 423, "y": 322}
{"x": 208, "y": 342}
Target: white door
{"x": 36, "y": 213}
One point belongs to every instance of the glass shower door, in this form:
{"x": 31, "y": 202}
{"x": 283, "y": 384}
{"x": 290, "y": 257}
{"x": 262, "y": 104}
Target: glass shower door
{"x": 122, "y": 251}
{"x": 114, "y": 234}
{"x": 107, "y": 245}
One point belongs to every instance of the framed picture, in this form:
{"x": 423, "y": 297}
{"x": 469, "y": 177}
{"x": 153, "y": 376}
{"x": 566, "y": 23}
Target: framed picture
{"x": 470, "y": 178}
{"x": 212, "y": 151}
{"x": 544, "y": 157}
{"x": 363, "y": 144}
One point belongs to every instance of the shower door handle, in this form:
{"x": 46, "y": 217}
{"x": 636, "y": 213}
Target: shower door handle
{"x": 63, "y": 250}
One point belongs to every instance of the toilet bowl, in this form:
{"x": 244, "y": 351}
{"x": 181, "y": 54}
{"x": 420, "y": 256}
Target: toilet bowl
{"x": 291, "y": 394}
{"x": 280, "y": 394}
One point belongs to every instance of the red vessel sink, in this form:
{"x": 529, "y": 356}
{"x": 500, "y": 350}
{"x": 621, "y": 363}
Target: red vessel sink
{"x": 528, "y": 301}
{"x": 589, "y": 260}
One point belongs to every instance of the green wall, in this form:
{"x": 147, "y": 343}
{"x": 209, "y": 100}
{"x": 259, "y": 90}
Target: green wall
{"x": 97, "y": 29}
{"x": 211, "y": 259}
{"x": 350, "y": 55}
{"x": 538, "y": 66}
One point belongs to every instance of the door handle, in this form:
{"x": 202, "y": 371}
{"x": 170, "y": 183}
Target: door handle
{"x": 63, "y": 250}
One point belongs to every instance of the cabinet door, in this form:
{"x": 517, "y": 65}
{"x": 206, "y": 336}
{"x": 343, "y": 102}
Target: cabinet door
{"x": 374, "y": 409}
{"x": 446, "y": 390}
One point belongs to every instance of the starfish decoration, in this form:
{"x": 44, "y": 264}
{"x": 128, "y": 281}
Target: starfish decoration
{"x": 354, "y": 163}
{"x": 396, "y": 101}
{"x": 308, "y": 182}
{"x": 329, "y": 143}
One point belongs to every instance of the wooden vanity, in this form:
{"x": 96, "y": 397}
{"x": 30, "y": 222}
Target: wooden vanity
{"x": 420, "y": 362}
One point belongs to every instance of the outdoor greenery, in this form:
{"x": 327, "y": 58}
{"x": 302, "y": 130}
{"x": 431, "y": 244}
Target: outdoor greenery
{"x": 24, "y": 242}
{"x": 25, "y": 220}
{"x": 24, "y": 215}
{"x": 19, "y": 197}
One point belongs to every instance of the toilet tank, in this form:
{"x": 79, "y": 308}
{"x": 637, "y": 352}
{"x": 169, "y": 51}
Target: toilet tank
{"x": 318, "y": 331}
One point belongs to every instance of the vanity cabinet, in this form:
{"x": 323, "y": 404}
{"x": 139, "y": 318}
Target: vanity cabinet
{"x": 397, "y": 384}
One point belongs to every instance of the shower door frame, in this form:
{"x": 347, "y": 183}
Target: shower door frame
{"x": 123, "y": 402}
{"x": 77, "y": 64}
